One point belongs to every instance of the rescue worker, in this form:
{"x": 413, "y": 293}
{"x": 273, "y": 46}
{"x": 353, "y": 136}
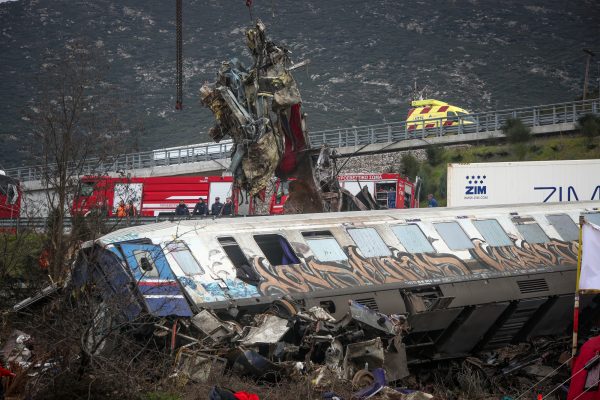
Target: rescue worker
{"x": 182, "y": 209}
{"x": 432, "y": 202}
{"x": 201, "y": 207}
{"x": 121, "y": 211}
{"x": 228, "y": 207}
{"x": 215, "y": 209}
{"x": 130, "y": 209}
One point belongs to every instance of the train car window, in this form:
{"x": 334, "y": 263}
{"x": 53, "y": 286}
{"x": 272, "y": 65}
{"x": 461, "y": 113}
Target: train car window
{"x": 565, "y": 226}
{"x": 369, "y": 242}
{"x": 492, "y": 232}
{"x": 412, "y": 238}
{"x": 277, "y": 249}
{"x": 243, "y": 270}
{"x": 324, "y": 246}
{"x": 532, "y": 233}
{"x": 594, "y": 218}
{"x": 184, "y": 258}
{"x": 145, "y": 262}
{"x": 453, "y": 235}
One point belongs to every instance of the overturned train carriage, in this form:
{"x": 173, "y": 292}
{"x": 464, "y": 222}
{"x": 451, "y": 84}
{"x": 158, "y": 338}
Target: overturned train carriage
{"x": 467, "y": 278}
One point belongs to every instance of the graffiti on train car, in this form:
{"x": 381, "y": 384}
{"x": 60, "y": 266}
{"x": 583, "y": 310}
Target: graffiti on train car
{"x": 403, "y": 267}
{"x": 526, "y": 256}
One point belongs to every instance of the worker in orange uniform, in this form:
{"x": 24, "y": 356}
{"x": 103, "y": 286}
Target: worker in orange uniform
{"x": 121, "y": 210}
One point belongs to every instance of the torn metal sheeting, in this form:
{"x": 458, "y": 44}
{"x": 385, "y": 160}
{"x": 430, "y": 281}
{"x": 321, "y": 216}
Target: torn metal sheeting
{"x": 213, "y": 327}
{"x": 372, "y": 318}
{"x": 199, "y": 367}
{"x": 270, "y": 329}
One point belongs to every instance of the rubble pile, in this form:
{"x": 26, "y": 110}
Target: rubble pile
{"x": 364, "y": 348}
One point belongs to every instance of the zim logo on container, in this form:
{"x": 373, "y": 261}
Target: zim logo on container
{"x": 475, "y": 185}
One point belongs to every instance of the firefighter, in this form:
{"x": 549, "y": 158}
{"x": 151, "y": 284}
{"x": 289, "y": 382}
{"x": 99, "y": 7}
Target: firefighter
{"x": 201, "y": 208}
{"x": 215, "y": 209}
{"x": 228, "y": 207}
{"x": 182, "y": 209}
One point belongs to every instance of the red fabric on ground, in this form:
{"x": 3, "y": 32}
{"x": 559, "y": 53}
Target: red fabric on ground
{"x": 586, "y": 353}
{"x": 245, "y": 396}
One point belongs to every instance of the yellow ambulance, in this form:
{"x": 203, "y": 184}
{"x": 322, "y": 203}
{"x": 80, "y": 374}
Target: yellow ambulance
{"x": 426, "y": 109}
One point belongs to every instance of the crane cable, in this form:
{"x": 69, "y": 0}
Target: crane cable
{"x": 179, "y": 39}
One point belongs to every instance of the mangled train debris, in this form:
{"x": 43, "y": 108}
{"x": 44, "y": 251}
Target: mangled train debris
{"x": 260, "y": 108}
{"x": 271, "y": 346}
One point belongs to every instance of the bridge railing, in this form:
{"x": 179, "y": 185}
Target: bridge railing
{"x": 391, "y": 132}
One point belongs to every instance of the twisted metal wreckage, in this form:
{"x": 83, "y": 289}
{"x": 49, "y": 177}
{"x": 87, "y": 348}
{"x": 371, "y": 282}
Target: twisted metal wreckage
{"x": 261, "y": 109}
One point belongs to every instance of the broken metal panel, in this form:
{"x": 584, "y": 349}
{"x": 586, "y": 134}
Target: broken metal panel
{"x": 269, "y": 329}
{"x": 199, "y": 367}
{"x": 213, "y": 327}
{"x": 363, "y": 355}
{"x": 374, "y": 319}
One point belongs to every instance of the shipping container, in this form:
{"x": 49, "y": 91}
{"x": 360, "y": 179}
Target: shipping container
{"x": 498, "y": 183}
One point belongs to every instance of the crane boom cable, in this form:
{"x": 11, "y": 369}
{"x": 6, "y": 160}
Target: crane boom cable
{"x": 179, "y": 39}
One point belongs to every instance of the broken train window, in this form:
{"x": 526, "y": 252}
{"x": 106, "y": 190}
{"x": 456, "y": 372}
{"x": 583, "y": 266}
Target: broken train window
{"x": 145, "y": 262}
{"x": 277, "y": 249}
{"x": 324, "y": 246}
{"x": 492, "y": 232}
{"x": 369, "y": 242}
{"x": 184, "y": 258}
{"x": 243, "y": 270}
{"x": 412, "y": 238}
{"x": 454, "y": 236}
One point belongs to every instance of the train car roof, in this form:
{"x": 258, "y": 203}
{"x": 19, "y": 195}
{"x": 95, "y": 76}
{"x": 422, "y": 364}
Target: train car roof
{"x": 295, "y": 221}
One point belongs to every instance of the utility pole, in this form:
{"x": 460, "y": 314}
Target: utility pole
{"x": 590, "y": 54}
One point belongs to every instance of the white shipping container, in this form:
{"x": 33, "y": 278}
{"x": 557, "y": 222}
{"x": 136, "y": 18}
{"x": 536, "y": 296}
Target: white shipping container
{"x": 523, "y": 182}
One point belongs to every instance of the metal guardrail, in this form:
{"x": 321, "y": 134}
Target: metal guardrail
{"x": 550, "y": 114}
{"x": 116, "y": 223}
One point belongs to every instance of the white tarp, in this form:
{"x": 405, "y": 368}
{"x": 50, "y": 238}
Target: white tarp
{"x": 590, "y": 257}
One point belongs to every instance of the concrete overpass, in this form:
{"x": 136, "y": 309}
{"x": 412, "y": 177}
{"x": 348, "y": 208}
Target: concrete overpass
{"x": 213, "y": 158}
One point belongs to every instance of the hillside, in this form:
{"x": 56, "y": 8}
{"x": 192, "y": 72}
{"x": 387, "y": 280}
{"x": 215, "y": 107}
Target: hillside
{"x": 365, "y": 56}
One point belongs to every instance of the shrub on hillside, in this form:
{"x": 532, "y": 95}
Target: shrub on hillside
{"x": 589, "y": 126}
{"x": 515, "y": 131}
{"x": 409, "y": 166}
{"x": 435, "y": 154}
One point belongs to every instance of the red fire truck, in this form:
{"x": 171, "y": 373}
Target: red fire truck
{"x": 389, "y": 190}
{"x": 10, "y": 197}
{"x": 150, "y": 196}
